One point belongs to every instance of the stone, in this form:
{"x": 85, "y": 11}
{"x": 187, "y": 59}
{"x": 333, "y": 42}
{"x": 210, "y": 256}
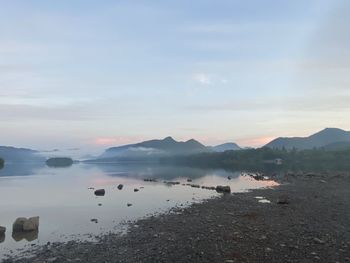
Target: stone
{"x": 2, "y": 230}
{"x": 31, "y": 224}
{"x": 129, "y": 204}
{"x": 150, "y": 180}
{"x": 283, "y": 200}
{"x": 223, "y": 189}
{"x": 136, "y": 190}
{"x": 189, "y": 180}
{"x": 100, "y": 192}
{"x": 24, "y": 224}
{"x": 18, "y": 224}
{"x": 120, "y": 187}
{"x": 318, "y": 241}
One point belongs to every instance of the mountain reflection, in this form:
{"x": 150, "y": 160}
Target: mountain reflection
{"x": 142, "y": 171}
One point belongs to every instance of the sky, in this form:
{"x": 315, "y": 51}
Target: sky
{"x": 93, "y": 74}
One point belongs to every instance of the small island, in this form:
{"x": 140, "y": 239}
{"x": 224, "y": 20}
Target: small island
{"x": 59, "y": 162}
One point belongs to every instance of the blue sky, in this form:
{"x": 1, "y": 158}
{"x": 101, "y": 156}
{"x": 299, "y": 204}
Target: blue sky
{"x": 99, "y": 73}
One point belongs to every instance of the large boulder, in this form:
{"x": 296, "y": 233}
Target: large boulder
{"x": 2, "y": 230}
{"x": 23, "y": 224}
{"x": 31, "y": 224}
{"x": 18, "y": 224}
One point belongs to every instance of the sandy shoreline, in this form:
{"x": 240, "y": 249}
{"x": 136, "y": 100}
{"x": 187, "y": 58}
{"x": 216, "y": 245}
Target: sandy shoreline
{"x": 311, "y": 226}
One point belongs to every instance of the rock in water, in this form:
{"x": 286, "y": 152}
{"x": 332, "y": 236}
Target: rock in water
{"x": 100, "y": 192}
{"x": 18, "y": 224}
{"x": 223, "y": 189}
{"x": 24, "y": 224}
{"x": 31, "y": 224}
{"x": 120, "y": 187}
{"x": 2, "y": 230}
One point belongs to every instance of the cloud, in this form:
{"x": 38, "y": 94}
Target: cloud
{"x": 202, "y": 78}
{"x": 208, "y": 79}
{"x": 310, "y": 103}
{"x": 116, "y": 140}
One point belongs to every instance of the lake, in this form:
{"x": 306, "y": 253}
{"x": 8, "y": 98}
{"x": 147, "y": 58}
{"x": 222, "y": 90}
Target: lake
{"x": 66, "y": 204}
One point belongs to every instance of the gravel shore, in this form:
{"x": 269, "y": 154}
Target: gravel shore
{"x": 307, "y": 220}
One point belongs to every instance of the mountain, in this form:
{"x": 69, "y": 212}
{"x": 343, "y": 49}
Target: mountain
{"x": 12, "y": 154}
{"x": 320, "y": 139}
{"x": 154, "y": 148}
{"x": 230, "y": 146}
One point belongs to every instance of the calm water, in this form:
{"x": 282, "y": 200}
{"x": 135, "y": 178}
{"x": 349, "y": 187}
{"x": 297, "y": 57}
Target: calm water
{"x": 60, "y": 196}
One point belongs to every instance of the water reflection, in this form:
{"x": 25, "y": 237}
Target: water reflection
{"x": 142, "y": 171}
{"x": 70, "y": 203}
{"x": 28, "y": 236}
{"x": 21, "y": 169}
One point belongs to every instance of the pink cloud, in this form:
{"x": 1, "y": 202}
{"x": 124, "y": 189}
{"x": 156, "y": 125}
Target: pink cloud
{"x": 118, "y": 140}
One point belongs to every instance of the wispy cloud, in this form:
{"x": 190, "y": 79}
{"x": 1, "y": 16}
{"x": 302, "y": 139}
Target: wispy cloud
{"x": 116, "y": 140}
{"x": 202, "y": 78}
{"x": 208, "y": 79}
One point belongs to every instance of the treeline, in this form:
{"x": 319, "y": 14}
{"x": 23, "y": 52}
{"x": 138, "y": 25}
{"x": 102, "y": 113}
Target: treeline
{"x": 263, "y": 159}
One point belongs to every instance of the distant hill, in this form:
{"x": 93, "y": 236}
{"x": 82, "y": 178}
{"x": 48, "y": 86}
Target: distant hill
{"x": 320, "y": 139}
{"x": 230, "y": 146}
{"x": 59, "y": 162}
{"x": 12, "y": 154}
{"x": 153, "y": 148}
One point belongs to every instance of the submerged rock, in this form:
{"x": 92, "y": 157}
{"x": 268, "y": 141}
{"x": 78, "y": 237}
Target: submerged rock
{"x": 26, "y": 225}
{"x": 100, "y": 192}
{"x": 150, "y": 180}
{"x": 120, "y": 187}
{"x": 171, "y": 183}
{"x": 223, "y": 189}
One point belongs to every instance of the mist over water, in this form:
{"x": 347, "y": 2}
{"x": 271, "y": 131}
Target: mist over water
{"x": 66, "y": 205}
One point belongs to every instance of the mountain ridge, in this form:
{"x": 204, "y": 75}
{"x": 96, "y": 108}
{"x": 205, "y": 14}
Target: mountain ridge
{"x": 317, "y": 140}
